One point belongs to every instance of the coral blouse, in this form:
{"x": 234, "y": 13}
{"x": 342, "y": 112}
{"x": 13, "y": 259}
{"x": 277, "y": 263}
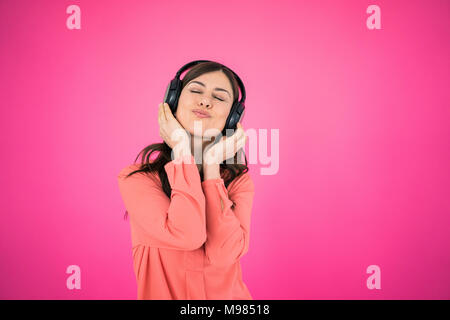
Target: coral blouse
{"x": 188, "y": 247}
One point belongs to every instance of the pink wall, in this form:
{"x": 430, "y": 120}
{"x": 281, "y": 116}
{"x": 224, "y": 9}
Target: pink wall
{"x": 363, "y": 119}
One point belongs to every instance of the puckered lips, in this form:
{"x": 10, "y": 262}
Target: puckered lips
{"x": 201, "y": 113}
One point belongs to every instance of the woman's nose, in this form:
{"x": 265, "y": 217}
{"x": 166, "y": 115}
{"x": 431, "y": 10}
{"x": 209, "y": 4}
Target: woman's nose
{"x": 205, "y": 103}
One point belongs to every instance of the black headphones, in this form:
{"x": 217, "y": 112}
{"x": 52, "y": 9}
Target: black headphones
{"x": 174, "y": 88}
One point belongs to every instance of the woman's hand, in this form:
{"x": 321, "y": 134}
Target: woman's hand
{"x": 172, "y": 132}
{"x": 226, "y": 147}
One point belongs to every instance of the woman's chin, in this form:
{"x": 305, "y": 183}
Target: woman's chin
{"x": 206, "y": 133}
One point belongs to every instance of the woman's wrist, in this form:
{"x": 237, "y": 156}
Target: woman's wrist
{"x": 181, "y": 151}
{"x": 211, "y": 171}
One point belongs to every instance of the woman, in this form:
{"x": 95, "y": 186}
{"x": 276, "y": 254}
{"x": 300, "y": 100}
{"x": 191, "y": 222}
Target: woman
{"x": 190, "y": 216}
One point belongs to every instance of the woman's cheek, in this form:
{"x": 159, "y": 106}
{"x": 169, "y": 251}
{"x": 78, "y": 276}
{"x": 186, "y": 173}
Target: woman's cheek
{"x": 222, "y": 121}
{"x": 184, "y": 119}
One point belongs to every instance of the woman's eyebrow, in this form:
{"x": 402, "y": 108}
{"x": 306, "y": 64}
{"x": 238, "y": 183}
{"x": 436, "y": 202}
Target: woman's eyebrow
{"x": 218, "y": 89}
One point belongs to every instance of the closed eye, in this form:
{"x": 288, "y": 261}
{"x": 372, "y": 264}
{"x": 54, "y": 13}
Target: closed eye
{"x": 200, "y": 92}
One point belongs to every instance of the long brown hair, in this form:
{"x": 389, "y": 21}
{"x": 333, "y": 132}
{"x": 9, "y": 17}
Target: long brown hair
{"x": 229, "y": 171}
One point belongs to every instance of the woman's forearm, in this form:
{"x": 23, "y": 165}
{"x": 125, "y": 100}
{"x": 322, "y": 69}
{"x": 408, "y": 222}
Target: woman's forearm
{"x": 211, "y": 171}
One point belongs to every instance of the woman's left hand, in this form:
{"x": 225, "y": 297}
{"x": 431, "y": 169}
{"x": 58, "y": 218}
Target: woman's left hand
{"x": 226, "y": 148}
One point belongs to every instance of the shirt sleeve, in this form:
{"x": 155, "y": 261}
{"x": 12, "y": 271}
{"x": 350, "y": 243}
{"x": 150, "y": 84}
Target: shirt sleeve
{"x": 157, "y": 221}
{"x": 227, "y": 229}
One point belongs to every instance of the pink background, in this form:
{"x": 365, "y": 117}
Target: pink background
{"x": 364, "y": 124}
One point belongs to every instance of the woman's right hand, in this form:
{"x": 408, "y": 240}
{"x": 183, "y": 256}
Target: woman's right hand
{"x": 172, "y": 132}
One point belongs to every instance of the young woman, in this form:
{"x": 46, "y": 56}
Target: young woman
{"x": 190, "y": 215}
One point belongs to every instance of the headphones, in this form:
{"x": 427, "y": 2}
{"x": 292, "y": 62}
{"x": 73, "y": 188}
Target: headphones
{"x": 174, "y": 88}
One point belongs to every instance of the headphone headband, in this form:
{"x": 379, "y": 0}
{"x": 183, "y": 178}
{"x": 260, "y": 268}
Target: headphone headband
{"x": 192, "y": 63}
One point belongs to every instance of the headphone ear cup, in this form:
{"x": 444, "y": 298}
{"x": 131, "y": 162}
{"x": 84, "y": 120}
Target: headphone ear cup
{"x": 228, "y": 121}
{"x": 236, "y": 115}
{"x": 241, "y": 118}
{"x": 172, "y": 94}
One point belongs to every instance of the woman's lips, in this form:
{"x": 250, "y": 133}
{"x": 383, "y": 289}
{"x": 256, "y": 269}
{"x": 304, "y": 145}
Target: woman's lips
{"x": 201, "y": 115}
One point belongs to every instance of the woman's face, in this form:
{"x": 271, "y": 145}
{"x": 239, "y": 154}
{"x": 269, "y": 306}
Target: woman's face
{"x": 211, "y": 93}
